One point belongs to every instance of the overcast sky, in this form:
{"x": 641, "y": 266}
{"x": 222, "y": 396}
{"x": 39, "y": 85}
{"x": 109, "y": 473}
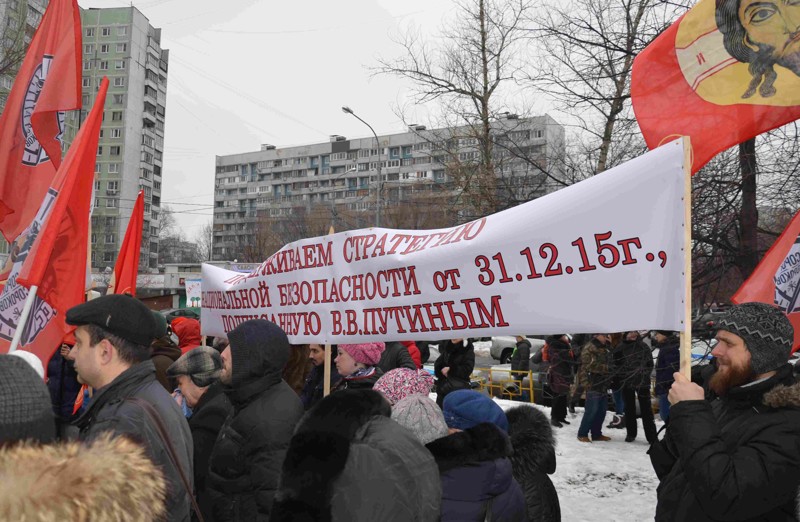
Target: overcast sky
{"x": 247, "y": 72}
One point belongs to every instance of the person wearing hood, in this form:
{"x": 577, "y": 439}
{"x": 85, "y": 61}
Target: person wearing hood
{"x": 110, "y": 478}
{"x": 188, "y": 332}
{"x": 245, "y": 464}
{"x": 348, "y": 461}
{"x": 395, "y": 355}
{"x": 533, "y": 460}
{"x": 164, "y": 351}
{"x": 474, "y": 465}
{"x": 358, "y": 366}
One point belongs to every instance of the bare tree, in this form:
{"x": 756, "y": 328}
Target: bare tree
{"x": 203, "y": 240}
{"x": 466, "y": 75}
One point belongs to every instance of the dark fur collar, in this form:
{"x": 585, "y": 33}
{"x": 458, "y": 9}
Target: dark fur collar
{"x": 532, "y": 440}
{"x": 477, "y": 444}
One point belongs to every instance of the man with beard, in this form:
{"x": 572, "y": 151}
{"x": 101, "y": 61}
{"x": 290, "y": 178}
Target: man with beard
{"x": 738, "y": 457}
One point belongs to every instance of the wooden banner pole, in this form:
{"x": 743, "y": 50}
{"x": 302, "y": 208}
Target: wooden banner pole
{"x": 326, "y": 383}
{"x": 686, "y": 334}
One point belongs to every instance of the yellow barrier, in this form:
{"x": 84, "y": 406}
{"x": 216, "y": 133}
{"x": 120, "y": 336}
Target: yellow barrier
{"x": 501, "y": 383}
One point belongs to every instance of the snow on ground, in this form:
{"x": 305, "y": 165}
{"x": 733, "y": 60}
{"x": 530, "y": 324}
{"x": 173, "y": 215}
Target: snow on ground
{"x": 606, "y": 481}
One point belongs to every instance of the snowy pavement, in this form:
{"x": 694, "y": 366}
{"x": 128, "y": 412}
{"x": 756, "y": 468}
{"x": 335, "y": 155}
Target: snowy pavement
{"x": 606, "y": 481}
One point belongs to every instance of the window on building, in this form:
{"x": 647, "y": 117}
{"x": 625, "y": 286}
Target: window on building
{"x": 115, "y": 150}
{"x": 122, "y": 47}
{"x": 96, "y": 187}
{"x": 89, "y": 31}
{"x": 119, "y": 64}
{"x": 105, "y": 31}
{"x": 87, "y": 82}
{"x": 119, "y": 81}
{"x": 87, "y": 64}
{"x": 108, "y": 257}
{"x": 88, "y": 49}
{"x": 104, "y": 48}
{"x": 110, "y": 238}
{"x": 100, "y": 150}
{"x": 113, "y": 168}
{"x": 147, "y": 157}
{"x": 122, "y": 31}
{"x": 116, "y": 116}
{"x": 85, "y": 100}
{"x": 116, "y": 133}
{"x": 113, "y": 186}
{"x": 111, "y": 203}
{"x": 98, "y": 168}
{"x": 118, "y": 99}
{"x": 103, "y": 66}
{"x": 149, "y": 91}
{"x": 94, "y": 239}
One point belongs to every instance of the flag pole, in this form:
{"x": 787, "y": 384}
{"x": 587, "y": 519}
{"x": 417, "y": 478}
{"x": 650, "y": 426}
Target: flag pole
{"x": 686, "y": 334}
{"x": 326, "y": 382}
{"x": 23, "y": 318}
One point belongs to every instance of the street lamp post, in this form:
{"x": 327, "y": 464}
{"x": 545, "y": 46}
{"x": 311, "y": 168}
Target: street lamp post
{"x": 379, "y": 199}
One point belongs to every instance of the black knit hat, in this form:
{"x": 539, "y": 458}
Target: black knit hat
{"x": 25, "y": 409}
{"x": 120, "y": 314}
{"x": 766, "y": 331}
{"x": 258, "y": 347}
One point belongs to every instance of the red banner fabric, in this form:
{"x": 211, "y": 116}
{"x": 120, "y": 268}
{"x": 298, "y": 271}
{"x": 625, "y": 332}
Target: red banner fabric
{"x": 717, "y": 76}
{"x": 776, "y": 279}
{"x": 127, "y": 266}
{"x": 32, "y": 124}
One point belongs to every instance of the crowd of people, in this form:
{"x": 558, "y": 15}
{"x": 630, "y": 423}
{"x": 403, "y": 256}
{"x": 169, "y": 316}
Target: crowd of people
{"x": 241, "y": 428}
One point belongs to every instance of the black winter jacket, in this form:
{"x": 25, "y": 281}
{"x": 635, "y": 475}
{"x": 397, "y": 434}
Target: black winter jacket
{"x": 460, "y": 358}
{"x": 669, "y": 362}
{"x": 533, "y": 460}
{"x": 636, "y": 364}
{"x": 111, "y": 412}
{"x": 736, "y": 458}
{"x": 245, "y": 464}
{"x": 476, "y": 476}
{"x": 208, "y": 416}
{"x": 395, "y": 355}
{"x": 314, "y": 388}
{"x": 521, "y": 358}
{"x": 562, "y": 365}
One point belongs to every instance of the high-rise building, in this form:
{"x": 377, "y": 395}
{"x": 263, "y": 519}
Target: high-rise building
{"x": 18, "y": 22}
{"x": 120, "y": 43}
{"x": 280, "y": 188}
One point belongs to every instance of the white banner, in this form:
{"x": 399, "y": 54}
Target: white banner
{"x": 603, "y": 255}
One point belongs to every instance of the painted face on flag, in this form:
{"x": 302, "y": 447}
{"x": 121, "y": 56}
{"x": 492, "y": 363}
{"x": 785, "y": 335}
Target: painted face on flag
{"x": 761, "y": 33}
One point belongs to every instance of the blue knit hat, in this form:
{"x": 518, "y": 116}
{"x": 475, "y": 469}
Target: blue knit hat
{"x": 464, "y": 409}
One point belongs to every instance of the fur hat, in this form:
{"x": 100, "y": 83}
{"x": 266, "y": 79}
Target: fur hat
{"x": 365, "y": 353}
{"x": 202, "y": 364}
{"x": 766, "y": 332}
{"x": 25, "y": 409}
{"x": 420, "y": 415}
{"x": 464, "y": 409}
{"x": 402, "y": 382}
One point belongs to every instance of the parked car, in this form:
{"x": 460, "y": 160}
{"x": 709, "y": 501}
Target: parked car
{"x": 704, "y": 324}
{"x": 172, "y": 313}
{"x": 503, "y": 346}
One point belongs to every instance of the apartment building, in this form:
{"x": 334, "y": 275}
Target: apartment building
{"x": 341, "y": 175}
{"x": 119, "y": 43}
{"x": 18, "y": 22}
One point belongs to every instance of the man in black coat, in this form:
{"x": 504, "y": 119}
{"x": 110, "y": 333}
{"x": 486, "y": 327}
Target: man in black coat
{"x": 197, "y": 375}
{"x": 454, "y": 367}
{"x": 246, "y": 462}
{"x": 636, "y": 368}
{"x": 395, "y": 355}
{"x": 738, "y": 457}
{"x": 112, "y": 355}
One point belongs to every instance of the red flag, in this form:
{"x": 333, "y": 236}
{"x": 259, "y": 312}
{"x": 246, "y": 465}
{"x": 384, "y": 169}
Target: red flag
{"x": 31, "y": 126}
{"x": 127, "y": 266}
{"x": 776, "y": 279}
{"x": 56, "y": 261}
{"x": 717, "y": 77}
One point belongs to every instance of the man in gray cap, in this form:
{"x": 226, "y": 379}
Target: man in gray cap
{"x": 112, "y": 355}
{"x": 197, "y": 375}
{"x": 738, "y": 457}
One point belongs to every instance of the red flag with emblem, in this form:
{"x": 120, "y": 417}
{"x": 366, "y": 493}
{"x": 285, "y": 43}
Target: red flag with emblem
{"x": 718, "y": 75}
{"x": 776, "y": 279}
{"x": 55, "y": 261}
{"x": 127, "y": 266}
{"x": 32, "y": 124}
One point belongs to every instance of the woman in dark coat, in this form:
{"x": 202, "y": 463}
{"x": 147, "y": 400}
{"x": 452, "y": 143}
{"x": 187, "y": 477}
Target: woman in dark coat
{"x": 349, "y": 461}
{"x": 533, "y": 460}
{"x": 562, "y": 363}
{"x": 453, "y": 367}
